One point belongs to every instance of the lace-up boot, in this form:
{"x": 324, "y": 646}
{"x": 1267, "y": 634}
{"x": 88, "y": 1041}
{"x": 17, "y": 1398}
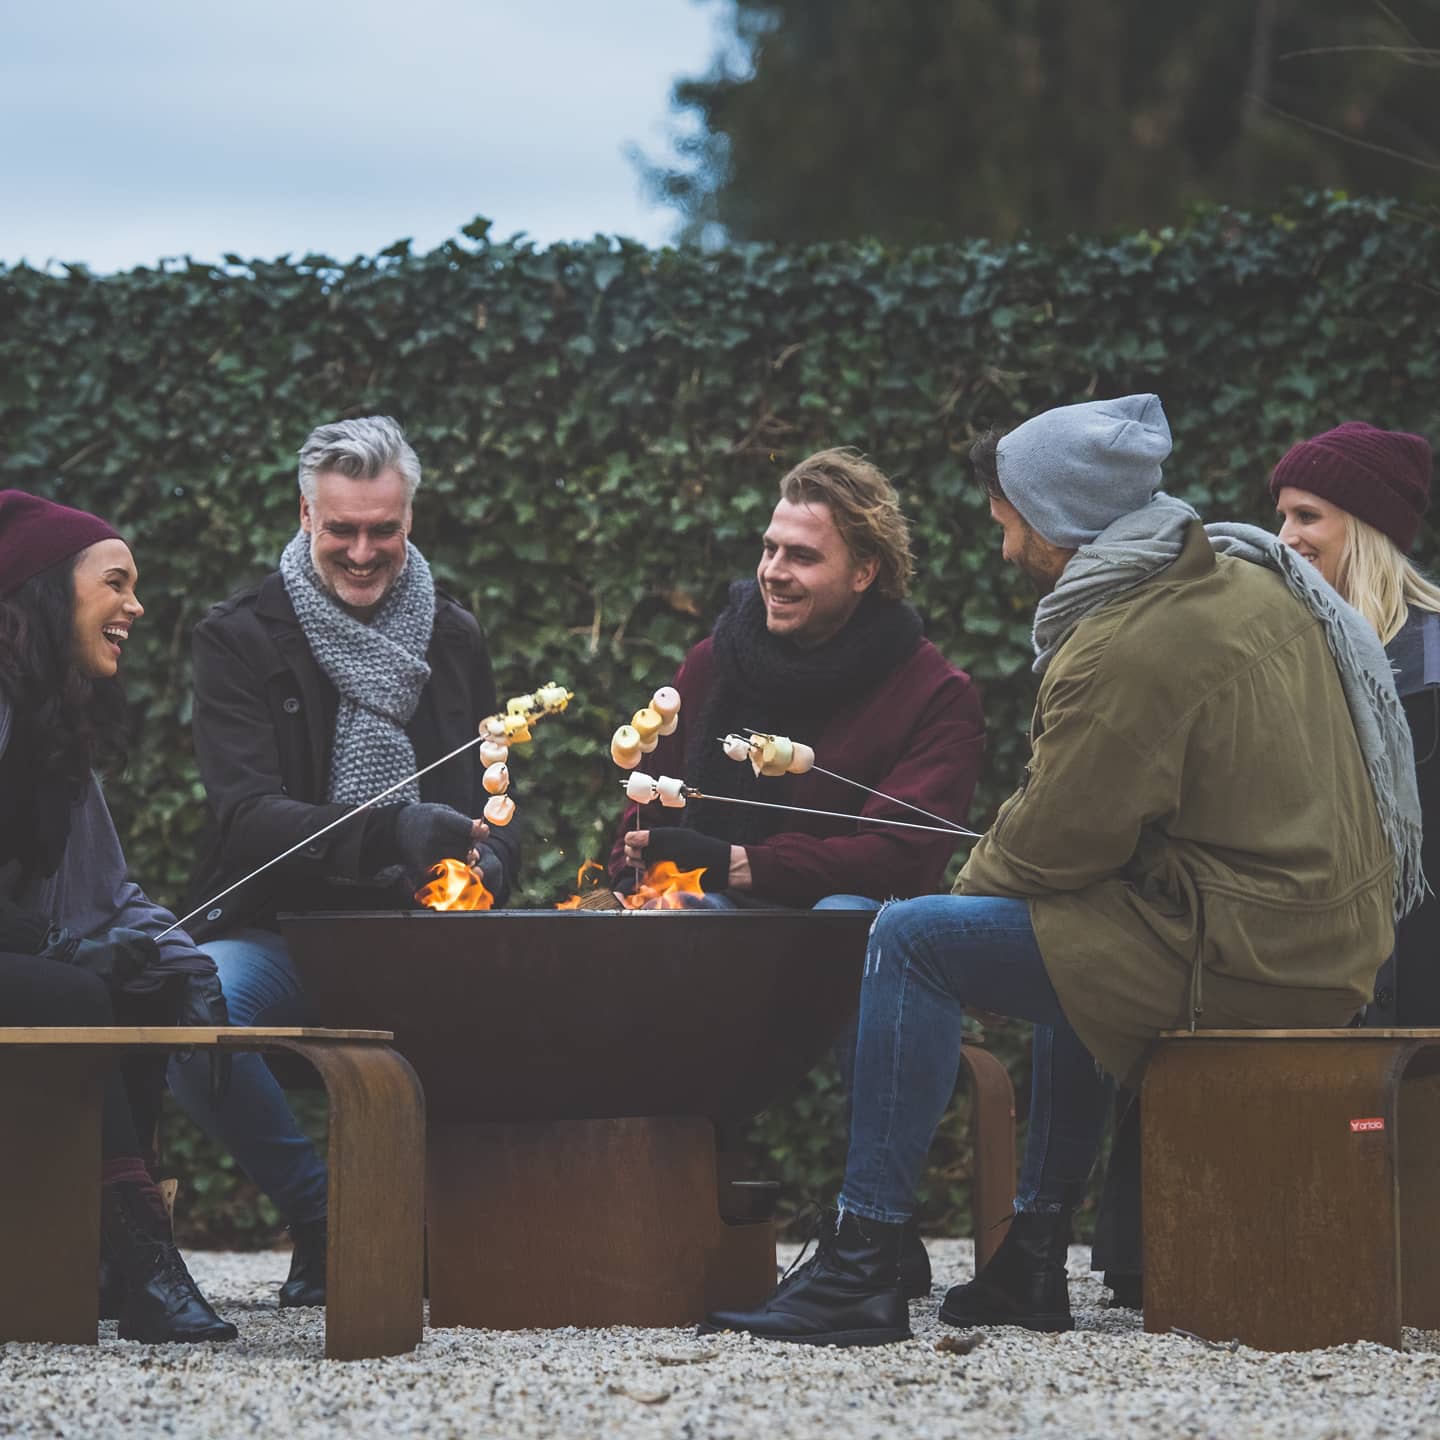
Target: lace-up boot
{"x": 306, "y": 1282}
{"x": 161, "y": 1302}
{"x": 1023, "y": 1283}
{"x": 849, "y": 1294}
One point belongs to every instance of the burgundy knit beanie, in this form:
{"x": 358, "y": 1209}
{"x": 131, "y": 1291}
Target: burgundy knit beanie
{"x": 1379, "y": 476}
{"x": 36, "y": 534}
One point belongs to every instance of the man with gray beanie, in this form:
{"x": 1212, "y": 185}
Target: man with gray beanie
{"x": 1168, "y": 859}
{"x": 337, "y": 676}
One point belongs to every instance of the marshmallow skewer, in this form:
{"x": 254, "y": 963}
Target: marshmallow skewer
{"x": 870, "y": 789}
{"x": 548, "y": 699}
{"x": 689, "y": 792}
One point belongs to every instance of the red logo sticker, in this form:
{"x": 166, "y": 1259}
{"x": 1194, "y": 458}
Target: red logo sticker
{"x": 1376, "y": 1123}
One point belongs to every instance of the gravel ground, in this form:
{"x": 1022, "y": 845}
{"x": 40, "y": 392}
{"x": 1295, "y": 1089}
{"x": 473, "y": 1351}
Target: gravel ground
{"x": 1106, "y": 1379}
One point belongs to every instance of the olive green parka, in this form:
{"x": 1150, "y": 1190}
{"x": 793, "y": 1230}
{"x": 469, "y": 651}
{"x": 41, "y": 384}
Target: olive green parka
{"x": 1196, "y": 831}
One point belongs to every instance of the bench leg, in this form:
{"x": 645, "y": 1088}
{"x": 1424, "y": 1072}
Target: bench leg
{"x": 992, "y": 1142}
{"x": 1268, "y": 1217}
{"x": 375, "y": 1262}
{"x": 50, "y": 1201}
{"x": 1419, "y": 1146}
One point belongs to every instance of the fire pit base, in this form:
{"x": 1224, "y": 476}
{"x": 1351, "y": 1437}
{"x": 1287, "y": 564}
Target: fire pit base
{"x": 586, "y": 1222}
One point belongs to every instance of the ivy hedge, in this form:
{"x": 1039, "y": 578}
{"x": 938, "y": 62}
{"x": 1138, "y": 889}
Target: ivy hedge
{"x": 602, "y": 427}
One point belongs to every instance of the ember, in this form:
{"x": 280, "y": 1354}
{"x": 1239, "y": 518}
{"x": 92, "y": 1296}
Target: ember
{"x": 455, "y": 886}
{"x": 587, "y": 886}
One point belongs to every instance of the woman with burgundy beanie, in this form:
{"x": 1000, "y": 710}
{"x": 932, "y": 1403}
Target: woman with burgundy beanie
{"x": 77, "y": 940}
{"x": 1351, "y": 501}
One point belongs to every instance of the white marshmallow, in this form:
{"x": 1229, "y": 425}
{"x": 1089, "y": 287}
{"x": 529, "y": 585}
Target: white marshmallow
{"x": 737, "y": 747}
{"x": 492, "y": 752}
{"x": 496, "y": 778}
{"x": 666, "y": 702}
{"x": 500, "y": 810}
{"x": 670, "y": 726}
{"x": 641, "y": 788}
{"x": 672, "y": 791}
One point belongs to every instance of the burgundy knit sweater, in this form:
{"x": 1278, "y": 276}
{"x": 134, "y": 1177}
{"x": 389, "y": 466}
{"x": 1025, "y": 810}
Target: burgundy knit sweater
{"x": 917, "y": 735}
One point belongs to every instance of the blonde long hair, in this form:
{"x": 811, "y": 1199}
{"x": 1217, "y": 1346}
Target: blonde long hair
{"x": 1379, "y": 581}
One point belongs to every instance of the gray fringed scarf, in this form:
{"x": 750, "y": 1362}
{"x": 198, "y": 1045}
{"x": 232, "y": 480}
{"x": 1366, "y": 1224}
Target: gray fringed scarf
{"x": 1145, "y": 541}
{"x": 379, "y": 670}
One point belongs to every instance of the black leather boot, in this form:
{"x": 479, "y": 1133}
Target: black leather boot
{"x": 162, "y": 1304}
{"x": 1128, "y": 1291}
{"x": 1023, "y": 1283}
{"x": 306, "y": 1283}
{"x": 914, "y": 1264}
{"x": 849, "y": 1294}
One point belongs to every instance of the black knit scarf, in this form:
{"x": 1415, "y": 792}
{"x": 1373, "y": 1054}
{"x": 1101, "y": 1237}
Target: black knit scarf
{"x": 768, "y": 683}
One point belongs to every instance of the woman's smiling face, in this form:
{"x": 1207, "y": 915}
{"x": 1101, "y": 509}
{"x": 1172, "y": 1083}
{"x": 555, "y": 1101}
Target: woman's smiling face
{"x": 105, "y": 607}
{"x": 1313, "y": 528}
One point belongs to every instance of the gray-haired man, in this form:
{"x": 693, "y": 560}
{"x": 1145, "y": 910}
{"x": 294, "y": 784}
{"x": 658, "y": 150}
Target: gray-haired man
{"x": 336, "y": 676}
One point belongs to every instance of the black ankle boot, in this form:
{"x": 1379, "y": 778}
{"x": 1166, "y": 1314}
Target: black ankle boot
{"x": 161, "y": 1302}
{"x": 1023, "y": 1283}
{"x": 306, "y": 1283}
{"x": 849, "y": 1294}
{"x": 1127, "y": 1291}
{"x": 914, "y": 1264}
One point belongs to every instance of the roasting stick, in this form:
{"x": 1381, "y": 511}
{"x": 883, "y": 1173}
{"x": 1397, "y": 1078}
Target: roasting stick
{"x": 691, "y": 793}
{"x": 324, "y": 830}
{"x": 893, "y": 799}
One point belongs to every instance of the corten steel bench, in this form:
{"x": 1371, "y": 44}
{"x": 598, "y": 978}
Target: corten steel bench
{"x": 1291, "y": 1185}
{"x": 577, "y": 1065}
{"x": 50, "y": 1128}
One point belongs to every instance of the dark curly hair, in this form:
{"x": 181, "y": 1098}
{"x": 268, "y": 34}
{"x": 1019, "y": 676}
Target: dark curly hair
{"x": 67, "y": 723}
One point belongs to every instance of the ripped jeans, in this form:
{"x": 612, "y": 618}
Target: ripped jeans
{"x": 927, "y": 959}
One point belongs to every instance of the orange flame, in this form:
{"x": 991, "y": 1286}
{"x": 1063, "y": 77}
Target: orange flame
{"x": 455, "y": 887}
{"x": 665, "y": 887}
{"x": 584, "y": 881}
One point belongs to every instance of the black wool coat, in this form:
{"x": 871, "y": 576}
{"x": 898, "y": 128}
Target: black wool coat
{"x": 263, "y": 724}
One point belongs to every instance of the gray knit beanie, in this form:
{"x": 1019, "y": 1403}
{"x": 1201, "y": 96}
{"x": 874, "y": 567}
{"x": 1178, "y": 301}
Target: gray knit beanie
{"x": 1074, "y": 471}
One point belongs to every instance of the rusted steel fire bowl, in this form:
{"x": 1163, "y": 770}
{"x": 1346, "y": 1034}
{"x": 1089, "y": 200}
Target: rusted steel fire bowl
{"x": 513, "y": 1015}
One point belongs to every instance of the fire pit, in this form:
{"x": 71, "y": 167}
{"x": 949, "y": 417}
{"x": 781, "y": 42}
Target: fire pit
{"x": 575, "y": 1064}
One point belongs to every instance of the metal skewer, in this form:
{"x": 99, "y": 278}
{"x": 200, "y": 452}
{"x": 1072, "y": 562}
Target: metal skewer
{"x": 893, "y": 799}
{"x": 324, "y": 830}
{"x": 691, "y": 793}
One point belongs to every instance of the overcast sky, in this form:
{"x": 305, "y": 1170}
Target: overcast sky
{"x": 131, "y": 131}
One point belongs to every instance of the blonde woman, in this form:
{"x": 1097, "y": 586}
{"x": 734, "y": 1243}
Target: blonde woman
{"x": 1350, "y": 501}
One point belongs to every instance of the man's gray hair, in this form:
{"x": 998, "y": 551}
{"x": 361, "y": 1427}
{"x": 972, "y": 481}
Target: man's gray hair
{"x": 360, "y": 449}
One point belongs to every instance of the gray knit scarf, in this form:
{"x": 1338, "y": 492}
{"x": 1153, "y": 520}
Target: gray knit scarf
{"x": 1142, "y": 543}
{"x": 378, "y": 669}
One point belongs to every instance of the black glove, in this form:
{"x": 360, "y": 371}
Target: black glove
{"x": 427, "y": 834}
{"x": 492, "y": 872}
{"x": 117, "y": 957}
{"x": 690, "y": 850}
{"x": 199, "y": 1001}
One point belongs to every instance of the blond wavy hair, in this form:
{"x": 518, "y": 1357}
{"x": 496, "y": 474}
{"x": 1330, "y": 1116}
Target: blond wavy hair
{"x": 1379, "y": 581}
{"x": 866, "y": 510}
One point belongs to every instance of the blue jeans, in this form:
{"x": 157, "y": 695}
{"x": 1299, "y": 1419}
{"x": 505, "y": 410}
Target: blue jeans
{"x": 927, "y": 959}
{"x": 254, "y": 1122}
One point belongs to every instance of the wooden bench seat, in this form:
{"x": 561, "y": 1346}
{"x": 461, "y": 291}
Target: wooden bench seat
{"x": 1291, "y": 1185}
{"x": 52, "y": 1078}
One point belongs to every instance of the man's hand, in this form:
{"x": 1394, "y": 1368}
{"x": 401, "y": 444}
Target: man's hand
{"x": 116, "y": 957}
{"x": 427, "y": 834}
{"x": 686, "y": 849}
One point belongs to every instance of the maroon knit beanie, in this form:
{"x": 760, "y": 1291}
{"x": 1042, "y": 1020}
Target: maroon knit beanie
{"x": 36, "y": 534}
{"x": 1379, "y": 476}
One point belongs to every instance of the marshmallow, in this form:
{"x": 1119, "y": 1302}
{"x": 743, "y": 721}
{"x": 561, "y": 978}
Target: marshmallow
{"x": 496, "y": 778}
{"x": 493, "y": 752}
{"x": 553, "y": 698}
{"x": 648, "y": 723}
{"x": 672, "y": 791}
{"x": 517, "y": 730}
{"x": 666, "y": 703}
{"x": 520, "y": 705}
{"x": 737, "y": 747}
{"x": 647, "y": 747}
{"x": 802, "y": 760}
{"x": 641, "y": 788}
{"x": 499, "y": 809}
{"x": 775, "y": 755}
{"x": 493, "y": 726}
{"x": 625, "y": 747}
{"x": 670, "y": 726}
